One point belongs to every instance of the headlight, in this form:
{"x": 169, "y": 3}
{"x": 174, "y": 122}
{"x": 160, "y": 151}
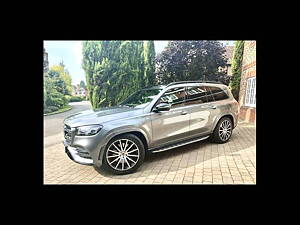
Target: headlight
{"x": 88, "y": 130}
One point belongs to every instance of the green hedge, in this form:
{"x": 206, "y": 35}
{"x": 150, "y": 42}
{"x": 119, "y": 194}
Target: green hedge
{"x": 50, "y": 109}
{"x": 237, "y": 68}
{"x": 76, "y": 99}
{"x": 56, "y": 99}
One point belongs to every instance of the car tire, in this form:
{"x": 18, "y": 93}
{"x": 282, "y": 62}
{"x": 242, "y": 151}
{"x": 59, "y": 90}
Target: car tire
{"x": 222, "y": 131}
{"x": 120, "y": 156}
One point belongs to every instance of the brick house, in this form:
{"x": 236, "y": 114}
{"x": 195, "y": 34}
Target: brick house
{"x": 247, "y": 95}
{"x": 79, "y": 91}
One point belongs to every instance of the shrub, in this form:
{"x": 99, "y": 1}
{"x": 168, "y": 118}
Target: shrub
{"x": 50, "y": 109}
{"x": 237, "y": 68}
{"x": 68, "y": 97}
{"x": 47, "y": 110}
{"x": 65, "y": 100}
{"x": 56, "y": 99}
{"x": 76, "y": 99}
{"x": 53, "y": 108}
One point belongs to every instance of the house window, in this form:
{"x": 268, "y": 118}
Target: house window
{"x": 250, "y": 98}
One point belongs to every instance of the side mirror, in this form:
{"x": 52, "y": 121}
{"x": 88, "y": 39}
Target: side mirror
{"x": 162, "y": 107}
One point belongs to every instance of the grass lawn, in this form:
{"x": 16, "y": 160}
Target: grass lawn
{"x": 66, "y": 108}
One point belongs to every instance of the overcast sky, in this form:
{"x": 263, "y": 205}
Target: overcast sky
{"x": 70, "y": 53}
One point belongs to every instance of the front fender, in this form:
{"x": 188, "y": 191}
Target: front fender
{"x": 123, "y": 130}
{"x": 118, "y": 131}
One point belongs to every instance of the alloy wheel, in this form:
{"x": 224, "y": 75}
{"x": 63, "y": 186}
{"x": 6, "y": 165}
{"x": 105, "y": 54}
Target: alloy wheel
{"x": 225, "y": 130}
{"x": 122, "y": 154}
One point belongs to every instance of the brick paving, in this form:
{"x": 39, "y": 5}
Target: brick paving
{"x": 198, "y": 163}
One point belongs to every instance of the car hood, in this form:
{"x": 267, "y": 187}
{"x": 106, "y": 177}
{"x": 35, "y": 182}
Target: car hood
{"x": 99, "y": 116}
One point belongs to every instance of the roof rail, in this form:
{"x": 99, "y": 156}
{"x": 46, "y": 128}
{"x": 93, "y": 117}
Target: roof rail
{"x": 154, "y": 87}
{"x": 196, "y": 81}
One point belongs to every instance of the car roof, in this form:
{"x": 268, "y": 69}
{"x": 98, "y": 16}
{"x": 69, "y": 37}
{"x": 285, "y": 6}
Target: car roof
{"x": 187, "y": 83}
{"x": 196, "y": 83}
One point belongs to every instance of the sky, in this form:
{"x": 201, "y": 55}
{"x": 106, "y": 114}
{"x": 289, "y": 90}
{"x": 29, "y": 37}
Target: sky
{"x": 70, "y": 52}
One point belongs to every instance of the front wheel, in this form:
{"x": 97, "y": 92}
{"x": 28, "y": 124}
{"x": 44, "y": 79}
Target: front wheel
{"x": 223, "y": 131}
{"x": 124, "y": 154}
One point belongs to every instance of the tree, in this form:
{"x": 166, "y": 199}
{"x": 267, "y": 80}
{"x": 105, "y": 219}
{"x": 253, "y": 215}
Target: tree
{"x": 82, "y": 84}
{"x": 191, "y": 60}
{"x": 237, "y": 68}
{"x": 149, "y": 59}
{"x": 62, "y": 77}
{"x": 57, "y": 84}
{"x": 116, "y": 69}
{"x": 52, "y": 96}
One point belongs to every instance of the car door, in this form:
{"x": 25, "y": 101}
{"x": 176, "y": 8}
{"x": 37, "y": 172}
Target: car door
{"x": 218, "y": 103}
{"x": 173, "y": 125}
{"x": 202, "y": 111}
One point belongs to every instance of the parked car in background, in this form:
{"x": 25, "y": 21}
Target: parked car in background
{"x": 151, "y": 120}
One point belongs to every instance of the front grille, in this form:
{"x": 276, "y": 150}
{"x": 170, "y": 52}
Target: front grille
{"x": 68, "y": 137}
{"x": 67, "y": 133}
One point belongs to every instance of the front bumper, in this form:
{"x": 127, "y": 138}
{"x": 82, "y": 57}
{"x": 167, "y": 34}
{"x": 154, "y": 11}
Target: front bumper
{"x": 74, "y": 155}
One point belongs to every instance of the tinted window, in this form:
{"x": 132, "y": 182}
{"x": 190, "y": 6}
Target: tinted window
{"x": 218, "y": 93}
{"x": 174, "y": 96}
{"x": 210, "y": 97}
{"x": 196, "y": 95}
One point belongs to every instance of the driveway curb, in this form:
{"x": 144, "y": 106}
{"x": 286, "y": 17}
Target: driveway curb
{"x": 50, "y": 114}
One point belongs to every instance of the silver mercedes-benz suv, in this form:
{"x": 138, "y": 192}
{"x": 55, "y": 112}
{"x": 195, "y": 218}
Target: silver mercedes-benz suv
{"x": 151, "y": 120}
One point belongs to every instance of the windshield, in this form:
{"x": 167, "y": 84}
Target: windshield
{"x": 142, "y": 98}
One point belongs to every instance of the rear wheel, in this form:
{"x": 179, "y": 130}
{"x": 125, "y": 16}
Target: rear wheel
{"x": 223, "y": 131}
{"x": 124, "y": 154}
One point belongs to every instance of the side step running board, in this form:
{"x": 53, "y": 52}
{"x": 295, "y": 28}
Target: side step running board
{"x": 180, "y": 144}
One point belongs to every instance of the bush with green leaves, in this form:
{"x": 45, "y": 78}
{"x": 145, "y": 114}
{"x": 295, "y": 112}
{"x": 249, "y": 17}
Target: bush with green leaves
{"x": 50, "y": 109}
{"x": 237, "y": 68}
{"x": 68, "y": 97}
{"x": 76, "y": 99}
{"x": 53, "y": 108}
{"x": 47, "y": 110}
{"x": 52, "y": 96}
{"x": 116, "y": 69}
{"x": 56, "y": 99}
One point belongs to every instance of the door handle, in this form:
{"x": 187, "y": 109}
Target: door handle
{"x": 213, "y": 106}
{"x": 183, "y": 112}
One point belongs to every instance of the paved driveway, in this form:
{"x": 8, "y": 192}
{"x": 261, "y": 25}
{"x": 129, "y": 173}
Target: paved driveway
{"x": 197, "y": 163}
{"x": 53, "y": 124}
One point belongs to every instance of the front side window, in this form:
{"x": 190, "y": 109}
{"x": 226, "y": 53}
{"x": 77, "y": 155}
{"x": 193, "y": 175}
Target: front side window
{"x": 196, "y": 95}
{"x": 250, "y": 98}
{"x": 142, "y": 98}
{"x": 218, "y": 93}
{"x": 174, "y": 96}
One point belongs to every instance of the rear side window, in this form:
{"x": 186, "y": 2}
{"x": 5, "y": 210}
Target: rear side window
{"x": 196, "y": 95}
{"x": 209, "y": 95}
{"x": 218, "y": 93}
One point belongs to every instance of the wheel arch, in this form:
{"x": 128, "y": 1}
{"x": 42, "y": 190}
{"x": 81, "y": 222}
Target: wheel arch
{"x": 135, "y": 131}
{"x": 221, "y": 117}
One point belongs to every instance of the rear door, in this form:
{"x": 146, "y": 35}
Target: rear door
{"x": 172, "y": 125}
{"x": 199, "y": 105}
{"x": 218, "y": 103}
